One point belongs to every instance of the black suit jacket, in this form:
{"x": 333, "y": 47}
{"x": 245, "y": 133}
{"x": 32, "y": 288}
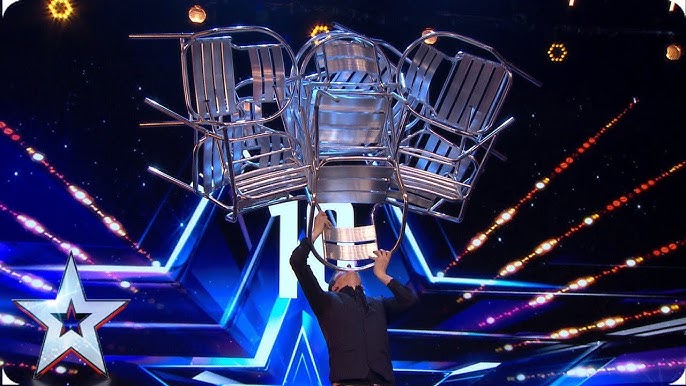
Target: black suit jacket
{"x": 353, "y": 325}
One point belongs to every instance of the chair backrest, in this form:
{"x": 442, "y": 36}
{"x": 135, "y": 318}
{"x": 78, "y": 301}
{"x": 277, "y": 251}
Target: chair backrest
{"x": 214, "y": 83}
{"x": 347, "y": 123}
{"x": 344, "y": 60}
{"x": 237, "y": 74}
{"x": 473, "y": 93}
{"x": 260, "y": 151}
{"x": 350, "y": 61}
{"x": 265, "y": 171}
{"x": 350, "y": 244}
{"x": 460, "y": 90}
{"x": 418, "y": 76}
{"x": 275, "y": 150}
{"x": 268, "y": 77}
{"x": 345, "y": 103}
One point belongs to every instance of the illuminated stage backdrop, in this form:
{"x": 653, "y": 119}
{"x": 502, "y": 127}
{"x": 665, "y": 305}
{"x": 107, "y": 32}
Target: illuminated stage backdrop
{"x": 214, "y": 303}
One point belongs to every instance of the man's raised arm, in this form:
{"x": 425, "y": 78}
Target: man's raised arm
{"x": 313, "y": 291}
{"x": 403, "y": 297}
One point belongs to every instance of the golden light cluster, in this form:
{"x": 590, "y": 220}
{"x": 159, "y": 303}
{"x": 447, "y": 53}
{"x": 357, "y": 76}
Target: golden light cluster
{"x": 60, "y": 9}
{"x": 319, "y": 29}
{"x": 557, "y": 52}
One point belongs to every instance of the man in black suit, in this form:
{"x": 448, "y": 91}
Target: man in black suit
{"x": 354, "y": 326}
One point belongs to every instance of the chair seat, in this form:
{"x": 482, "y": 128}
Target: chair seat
{"x": 353, "y": 182}
{"x": 271, "y": 181}
{"x": 418, "y": 181}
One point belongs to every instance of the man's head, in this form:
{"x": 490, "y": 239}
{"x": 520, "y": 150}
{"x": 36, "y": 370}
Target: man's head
{"x": 341, "y": 279}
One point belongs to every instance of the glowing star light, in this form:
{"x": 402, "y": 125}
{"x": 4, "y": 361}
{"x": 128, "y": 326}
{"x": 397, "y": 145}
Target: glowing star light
{"x": 70, "y": 322}
{"x": 60, "y": 9}
{"x": 431, "y": 40}
{"x": 557, "y": 52}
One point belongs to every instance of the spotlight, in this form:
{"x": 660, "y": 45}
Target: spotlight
{"x": 431, "y": 40}
{"x": 319, "y": 29}
{"x": 60, "y": 9}
{"x": 673, "y": 52}
{"x": 197, "y": 14}
{"x": 557, "y": 52}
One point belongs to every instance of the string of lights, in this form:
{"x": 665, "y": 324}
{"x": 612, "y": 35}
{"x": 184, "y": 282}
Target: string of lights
{"x": 11, "y": 320}
{"x": 605, "y": 323}
{"x": 508, "y": 214}
{"x": 32, "y": 225}
{"x": 588, "y": 371}
{"x": 79, "y": 194}
{"x": 548, "y": 245}
{"x": 582, "y": 283}
{"x": 26, "y": 279}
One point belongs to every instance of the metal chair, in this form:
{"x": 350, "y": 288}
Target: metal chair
{"x": 452, "y": 99}
{"x": 347, "y": 121}
{"x": 237, "y": 89}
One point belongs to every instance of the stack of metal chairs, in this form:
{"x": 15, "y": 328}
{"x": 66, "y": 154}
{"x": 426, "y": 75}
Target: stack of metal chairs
{"x": 346, "y": 119}
{"x": 238, "y": 85}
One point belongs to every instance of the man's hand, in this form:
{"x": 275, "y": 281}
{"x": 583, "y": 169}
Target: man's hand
{"x": 381, "y": 261}
{"x": 321, "y": 222}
